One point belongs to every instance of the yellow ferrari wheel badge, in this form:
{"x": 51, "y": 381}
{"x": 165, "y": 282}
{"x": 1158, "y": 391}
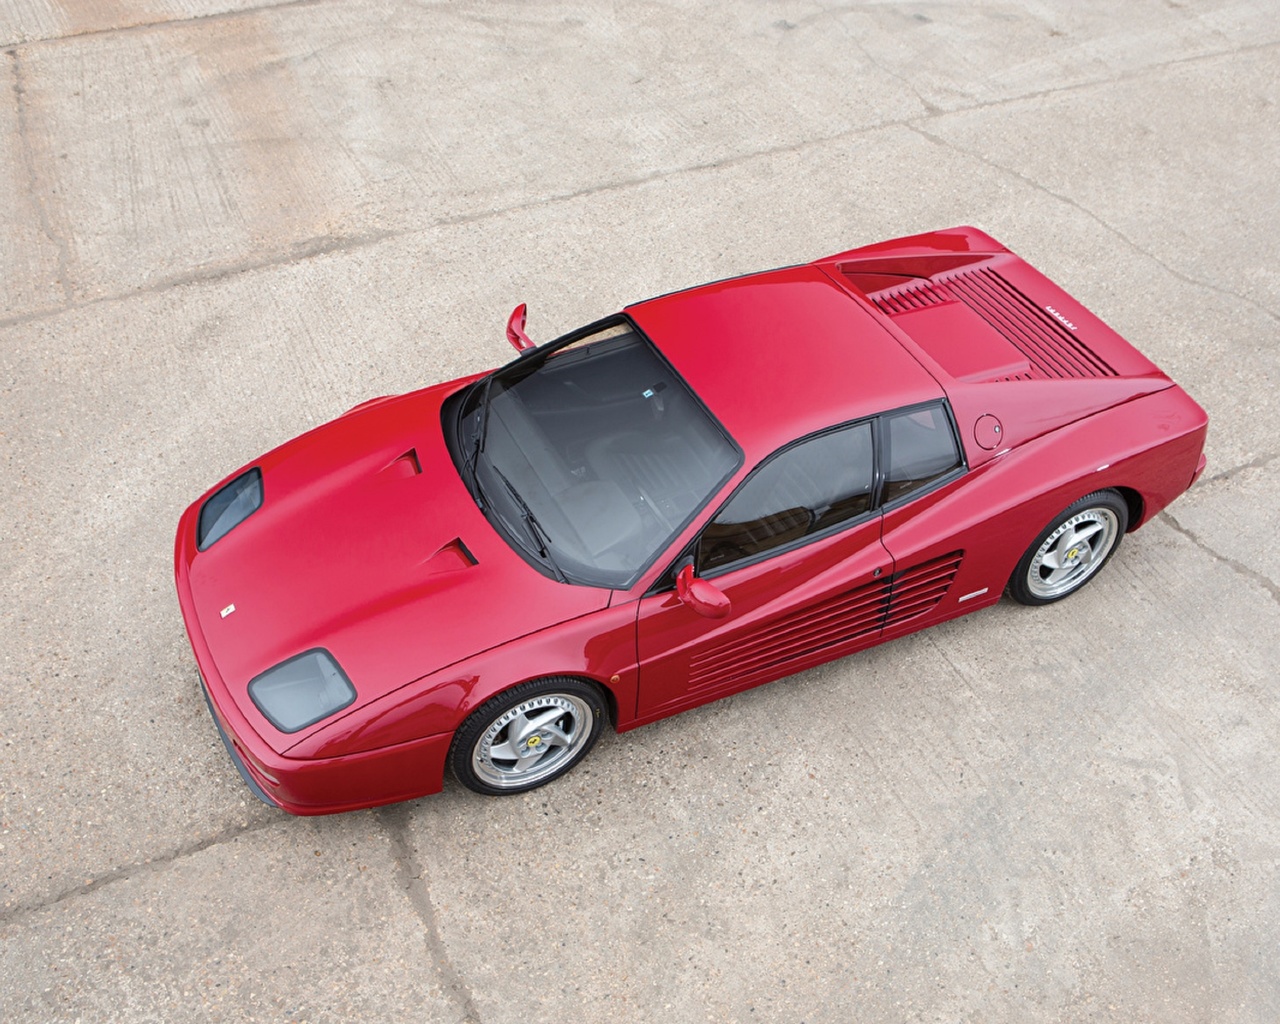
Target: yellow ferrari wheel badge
{"x": 533, "y": 741}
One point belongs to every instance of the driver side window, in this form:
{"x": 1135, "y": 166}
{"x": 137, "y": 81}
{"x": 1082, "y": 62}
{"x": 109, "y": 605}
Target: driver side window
{"x": 806, "y": 489}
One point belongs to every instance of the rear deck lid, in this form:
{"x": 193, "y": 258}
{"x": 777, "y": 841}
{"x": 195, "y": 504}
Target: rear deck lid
{"x": 979, "y": 313}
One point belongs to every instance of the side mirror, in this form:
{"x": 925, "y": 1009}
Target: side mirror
{"x": 515, "y": 329}
{"x": 703, "y": 597}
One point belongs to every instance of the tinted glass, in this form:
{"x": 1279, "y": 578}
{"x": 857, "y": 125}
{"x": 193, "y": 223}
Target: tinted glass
{"x": 806, "y": 489}
{"x": 919, "y": 449}
{"x": 596, "y": 455}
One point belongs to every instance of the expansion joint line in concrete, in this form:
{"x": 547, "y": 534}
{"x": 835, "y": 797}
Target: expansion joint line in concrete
{"x": 1248, "y": 572}
{"x": 134, "y": 870}
{"x": 299, "y": 252}
{"x": 1228, "y": 474}
{"x": 33, "y": 180}
{"x": 1038, "y": 186}
{"x": 409, "y": 874}
{"x": 162, "y": 23}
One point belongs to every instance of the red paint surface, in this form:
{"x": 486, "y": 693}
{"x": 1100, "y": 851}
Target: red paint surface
{"x": 369, "y": 545}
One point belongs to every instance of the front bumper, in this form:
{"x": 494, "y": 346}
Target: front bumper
{"x": 369, "y": 778}
{"x": 236, "y": 759}
{"x": 331, "y": 785}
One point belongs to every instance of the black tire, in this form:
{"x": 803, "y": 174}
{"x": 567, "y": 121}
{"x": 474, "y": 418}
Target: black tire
{"x": 1071, "y": 550}
{"x": 558, "y": 720}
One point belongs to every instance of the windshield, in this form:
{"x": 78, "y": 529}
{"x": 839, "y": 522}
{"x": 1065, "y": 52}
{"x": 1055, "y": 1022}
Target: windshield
{"x": 589, "y": 458}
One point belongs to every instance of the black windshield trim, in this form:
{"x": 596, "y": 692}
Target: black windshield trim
{"x": 529, "y": 362}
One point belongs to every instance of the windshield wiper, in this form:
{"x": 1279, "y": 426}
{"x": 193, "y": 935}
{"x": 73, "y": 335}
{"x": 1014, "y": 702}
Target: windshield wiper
{"x": 482, "y": 427}
{"x": 536, "y": 531}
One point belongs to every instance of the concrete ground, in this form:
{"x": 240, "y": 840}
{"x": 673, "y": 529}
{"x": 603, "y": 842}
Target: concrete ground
{"x": 225, "y": 221}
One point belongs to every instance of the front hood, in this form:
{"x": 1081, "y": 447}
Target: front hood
{"x": 367, "y": 544}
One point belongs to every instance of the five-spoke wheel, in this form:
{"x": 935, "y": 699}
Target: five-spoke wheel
{"x": 527, "y": 735}
{"x": 1071, "y": 549}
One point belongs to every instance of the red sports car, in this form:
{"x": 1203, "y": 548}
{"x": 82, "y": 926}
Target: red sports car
{"x": 702, "y": 493}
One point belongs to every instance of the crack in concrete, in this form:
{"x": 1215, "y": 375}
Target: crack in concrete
{"x": 409, "y": 872}
{"x": 25, "y": 908}
{"x": 298, "y": 252}
{"x": 1109, "y": 228}
{"x": 33, "y": 179}
{"x": 855, "y": 38}
{"x": 660, "y": 174}
{"x": 1248, "y": 572}
{"x": 160, "y": 23}
{"x": 1256, "y": 463}
{"x": 1128, "y": 75}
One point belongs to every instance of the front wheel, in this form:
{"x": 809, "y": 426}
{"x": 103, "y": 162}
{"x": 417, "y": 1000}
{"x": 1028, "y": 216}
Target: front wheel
{"x": 1071, "y": 549}
{"x": 527, "y": 736}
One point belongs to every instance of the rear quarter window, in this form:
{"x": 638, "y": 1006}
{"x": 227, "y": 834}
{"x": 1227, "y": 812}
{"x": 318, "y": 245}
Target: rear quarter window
{"x": 919, "y": 449}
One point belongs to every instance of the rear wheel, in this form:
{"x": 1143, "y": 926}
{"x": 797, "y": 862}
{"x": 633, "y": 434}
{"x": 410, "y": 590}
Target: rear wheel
{"x": 1070, "y": 550}
{"x": 527, "y": 736}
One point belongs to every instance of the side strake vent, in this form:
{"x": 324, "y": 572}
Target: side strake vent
{"x": 918, "y": 590}
{"x": 839, "y": 625}
{"x": 1053, "y": 351}
{"x": 843, "y": 621}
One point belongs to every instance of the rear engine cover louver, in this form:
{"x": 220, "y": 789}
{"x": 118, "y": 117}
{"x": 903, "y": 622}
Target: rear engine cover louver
{"x": 1051, "y": 349}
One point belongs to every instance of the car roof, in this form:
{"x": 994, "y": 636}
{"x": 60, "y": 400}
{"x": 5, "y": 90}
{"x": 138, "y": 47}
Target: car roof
{"x": 779, "y": 355}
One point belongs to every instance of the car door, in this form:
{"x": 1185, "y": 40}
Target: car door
{"x": 796, "y": 550}
{"x": 924, "y": 531}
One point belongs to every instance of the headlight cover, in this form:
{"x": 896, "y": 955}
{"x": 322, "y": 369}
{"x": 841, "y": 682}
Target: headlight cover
{"x": 301, "y": 691}
{"x": 228, "y": 507}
